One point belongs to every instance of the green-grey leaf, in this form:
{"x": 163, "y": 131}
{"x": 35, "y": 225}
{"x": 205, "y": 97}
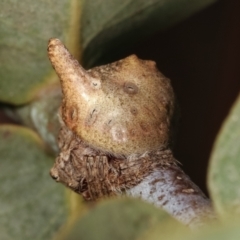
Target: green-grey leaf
{"x": 224, "y": 169}
{"x": 25, "y": 28}
{"x": 229, "y": 230}
{"x": 33, "y": 206}
{"x": 120, "y": 219}
{"x": 109, "y": 26}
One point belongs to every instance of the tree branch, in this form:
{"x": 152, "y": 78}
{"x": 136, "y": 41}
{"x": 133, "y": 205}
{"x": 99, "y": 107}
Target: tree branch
{"x": 172, "y": 190}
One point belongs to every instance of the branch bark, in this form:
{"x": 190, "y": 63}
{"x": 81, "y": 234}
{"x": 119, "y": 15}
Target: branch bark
{"x": 154, "y": 177}
{"x": 172, "y": 190}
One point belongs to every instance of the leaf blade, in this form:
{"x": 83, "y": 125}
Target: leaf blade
{"x": 32, "y": 205}
{"x": 123, "y": 218}
{"x": 109, "y": 27}
{"x": 25, "y": 29}
{"x": 224, "y": 168}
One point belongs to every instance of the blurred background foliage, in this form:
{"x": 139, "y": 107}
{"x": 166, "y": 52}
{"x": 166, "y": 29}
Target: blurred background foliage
{"x": 194, "y": 42}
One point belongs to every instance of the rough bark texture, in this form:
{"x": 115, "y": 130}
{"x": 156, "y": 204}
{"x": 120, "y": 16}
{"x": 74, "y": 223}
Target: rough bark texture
{"x": 154, "y": 177}
{"x": 95, "y": 174}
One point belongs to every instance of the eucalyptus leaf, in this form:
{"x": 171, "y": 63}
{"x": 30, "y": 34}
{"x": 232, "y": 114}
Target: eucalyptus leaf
{"x": 104, "y": 27}
{"x": 229, "y": 230}
{"x": 120, "y": 219}
{"x": 224, "y": 169}
{"x": 109, "y": 27}
{"x": 32, "y": 205}
{"x": 25, "y": 29}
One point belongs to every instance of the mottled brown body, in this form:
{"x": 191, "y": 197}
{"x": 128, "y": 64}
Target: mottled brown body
{"x": 121, "y": 108}
{"x": 115, "y": 132}
{"x": 117, "y": 121}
